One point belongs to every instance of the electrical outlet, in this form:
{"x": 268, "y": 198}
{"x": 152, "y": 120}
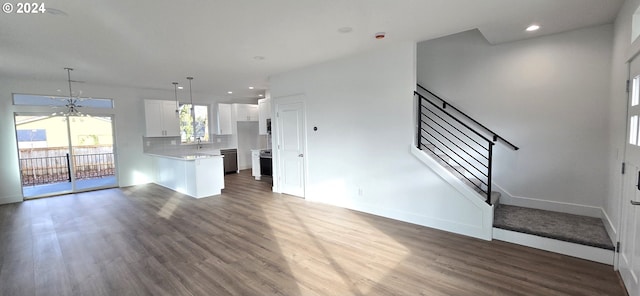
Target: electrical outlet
{"x": 218, "y": 140}
{"x": 360, "y": 191}
{"x": 173, "y": 142}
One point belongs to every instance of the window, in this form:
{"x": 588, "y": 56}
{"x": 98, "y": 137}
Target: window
{"x": 634, "y": 132}
{"x": 32, "y": 138}
{"x": 635, "y": 85}
{"x": 58, "y": 101}
{"x": 193, "y": 127}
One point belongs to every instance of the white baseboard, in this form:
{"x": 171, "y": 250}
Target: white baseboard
{"x": 557, "y": 246}
{"x": 608, "y": 225}
{"x": 541, "y": 204}
{"x": 481, "y": 230}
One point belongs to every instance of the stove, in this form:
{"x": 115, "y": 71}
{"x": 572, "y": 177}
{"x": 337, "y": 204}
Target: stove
{"x": 265, "y": 162}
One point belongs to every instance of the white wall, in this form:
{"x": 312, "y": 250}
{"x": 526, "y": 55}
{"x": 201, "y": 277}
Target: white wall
{"x": 133, "y": 166}
{"x": 359, "y": 158}
{"x": 622, "y": 50}
{"x": 547, "y": 95}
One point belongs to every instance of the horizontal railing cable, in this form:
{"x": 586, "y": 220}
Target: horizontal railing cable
{"x": 455, "y": 118}
{"x": 447, "y": 104}
{"x": 460, "y": 156}
{"x": 444, "y": 128}
{"x": 454, "y": 144}
{"x": 455, "y": 169}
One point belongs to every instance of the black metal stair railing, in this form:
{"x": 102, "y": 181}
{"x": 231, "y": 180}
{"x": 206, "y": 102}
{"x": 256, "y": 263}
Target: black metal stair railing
{"x": 448, "y": 135}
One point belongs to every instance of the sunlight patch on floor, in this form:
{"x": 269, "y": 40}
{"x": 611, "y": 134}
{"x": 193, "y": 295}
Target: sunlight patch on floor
{"x": 326, "y": 239}
{"x": 169, "y": 207}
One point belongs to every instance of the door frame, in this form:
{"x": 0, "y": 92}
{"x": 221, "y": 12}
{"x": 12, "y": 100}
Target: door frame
{"x": 277, "y": 102}
{"x": 622, "y": 216}
{"x": 70, "y": 147}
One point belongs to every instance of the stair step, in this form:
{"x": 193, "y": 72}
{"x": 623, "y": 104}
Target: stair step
{"x": 571, "y": 228}
{"x": 495, "y": 197}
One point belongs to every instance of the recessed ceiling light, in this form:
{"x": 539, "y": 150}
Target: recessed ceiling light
{"x": 229, "y": 92}
{"x": 180, "y": 87}
{"x": 533, "y": 28}
{"x": 345, "y": 30}
{"x": 259, "y": 58}
{"x": 250, "y": 87}
{"x": 260, "y": 95}
{"x": 380, "y": 35}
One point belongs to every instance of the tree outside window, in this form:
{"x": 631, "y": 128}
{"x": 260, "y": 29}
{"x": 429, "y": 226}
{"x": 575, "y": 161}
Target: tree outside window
{"x": 194, "y": 126}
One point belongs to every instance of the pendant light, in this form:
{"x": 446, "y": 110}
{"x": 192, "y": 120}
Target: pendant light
{"x": 193, "y": 109}
{"x": 175, "y": 90}
{"x": 71, "y": 103}
{"x": 190, "y": 94}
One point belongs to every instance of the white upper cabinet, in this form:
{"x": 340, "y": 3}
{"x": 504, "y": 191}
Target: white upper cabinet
{"x": 161, "y": 118}
{"x": 264, "y": 113}
{"x": 225, "y": 119}
{"x": 229, "y": 114}
{"x": 246, "y": 112}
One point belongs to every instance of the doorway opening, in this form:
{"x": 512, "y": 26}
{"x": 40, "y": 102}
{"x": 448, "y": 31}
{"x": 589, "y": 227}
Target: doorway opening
{"x": 65, "y": 154}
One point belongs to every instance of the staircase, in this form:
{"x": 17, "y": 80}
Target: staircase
{"x": 458, "y": 142}
{"x": 458, "y": 171}
{"x": 462, "y": 152}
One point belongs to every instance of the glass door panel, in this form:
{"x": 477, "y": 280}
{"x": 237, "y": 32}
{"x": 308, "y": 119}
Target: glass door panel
{"x": 44, "y": 156}
{"x": 60, "y": 155}
{"x": 93, "y": 159}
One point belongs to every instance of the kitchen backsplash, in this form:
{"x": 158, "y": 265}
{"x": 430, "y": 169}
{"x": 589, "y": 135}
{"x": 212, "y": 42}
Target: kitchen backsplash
{"x": 172, "y": 145}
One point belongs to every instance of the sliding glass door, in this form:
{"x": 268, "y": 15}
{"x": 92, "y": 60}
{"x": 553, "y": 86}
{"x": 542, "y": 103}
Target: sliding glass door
{"x": 60, "y": 154}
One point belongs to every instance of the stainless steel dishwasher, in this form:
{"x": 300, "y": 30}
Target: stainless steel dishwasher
{"x": 230, "y": 160}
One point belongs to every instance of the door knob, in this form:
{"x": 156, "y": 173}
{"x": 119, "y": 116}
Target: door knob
{"x": 635, "y": 203}
{"x": 300, "y": 155}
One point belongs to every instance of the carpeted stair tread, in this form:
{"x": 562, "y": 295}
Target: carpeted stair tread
{"x": 561, "y": 226}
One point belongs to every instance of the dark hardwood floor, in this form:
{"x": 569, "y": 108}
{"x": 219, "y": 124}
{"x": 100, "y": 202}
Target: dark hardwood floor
{"x": 148, "y": 240}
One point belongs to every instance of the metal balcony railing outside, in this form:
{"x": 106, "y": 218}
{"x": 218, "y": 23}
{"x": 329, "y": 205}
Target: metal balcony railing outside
{"x": 55, "y": 169}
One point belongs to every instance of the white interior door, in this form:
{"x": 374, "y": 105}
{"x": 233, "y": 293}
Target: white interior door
{"x": 290, "y": 121}
{"x": 629, "y": 258}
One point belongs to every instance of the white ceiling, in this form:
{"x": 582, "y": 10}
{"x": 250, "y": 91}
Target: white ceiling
{"x": 150, "y": 43}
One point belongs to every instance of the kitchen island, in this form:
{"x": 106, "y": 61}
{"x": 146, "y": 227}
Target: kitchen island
{"x": 197, "y": 175}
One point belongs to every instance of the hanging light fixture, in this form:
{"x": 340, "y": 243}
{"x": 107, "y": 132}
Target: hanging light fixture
{"x": 71, "y": 102}
{"x": 175, "y": 90}
{"x": 193, "y": 109}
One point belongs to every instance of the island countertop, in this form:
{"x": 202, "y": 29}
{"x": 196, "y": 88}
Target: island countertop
{"x": 189, "y": 156}
{"x": 195, "y": 174}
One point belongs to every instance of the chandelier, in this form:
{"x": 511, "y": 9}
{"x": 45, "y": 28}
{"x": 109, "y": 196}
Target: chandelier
{"x": 72, "y": 102}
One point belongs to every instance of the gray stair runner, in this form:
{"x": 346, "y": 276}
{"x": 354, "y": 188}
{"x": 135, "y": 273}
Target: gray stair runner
{"x": 577, "y": 229}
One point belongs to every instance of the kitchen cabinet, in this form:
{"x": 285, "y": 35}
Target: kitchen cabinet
{"x": 225, "y": 120}
{"x": 264, "y": 113}
{"x": 246, "y": 112}
{"x": 197, "y": 176}
{"x": 161, "y": 118}
{"x": 229, "y": 114}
